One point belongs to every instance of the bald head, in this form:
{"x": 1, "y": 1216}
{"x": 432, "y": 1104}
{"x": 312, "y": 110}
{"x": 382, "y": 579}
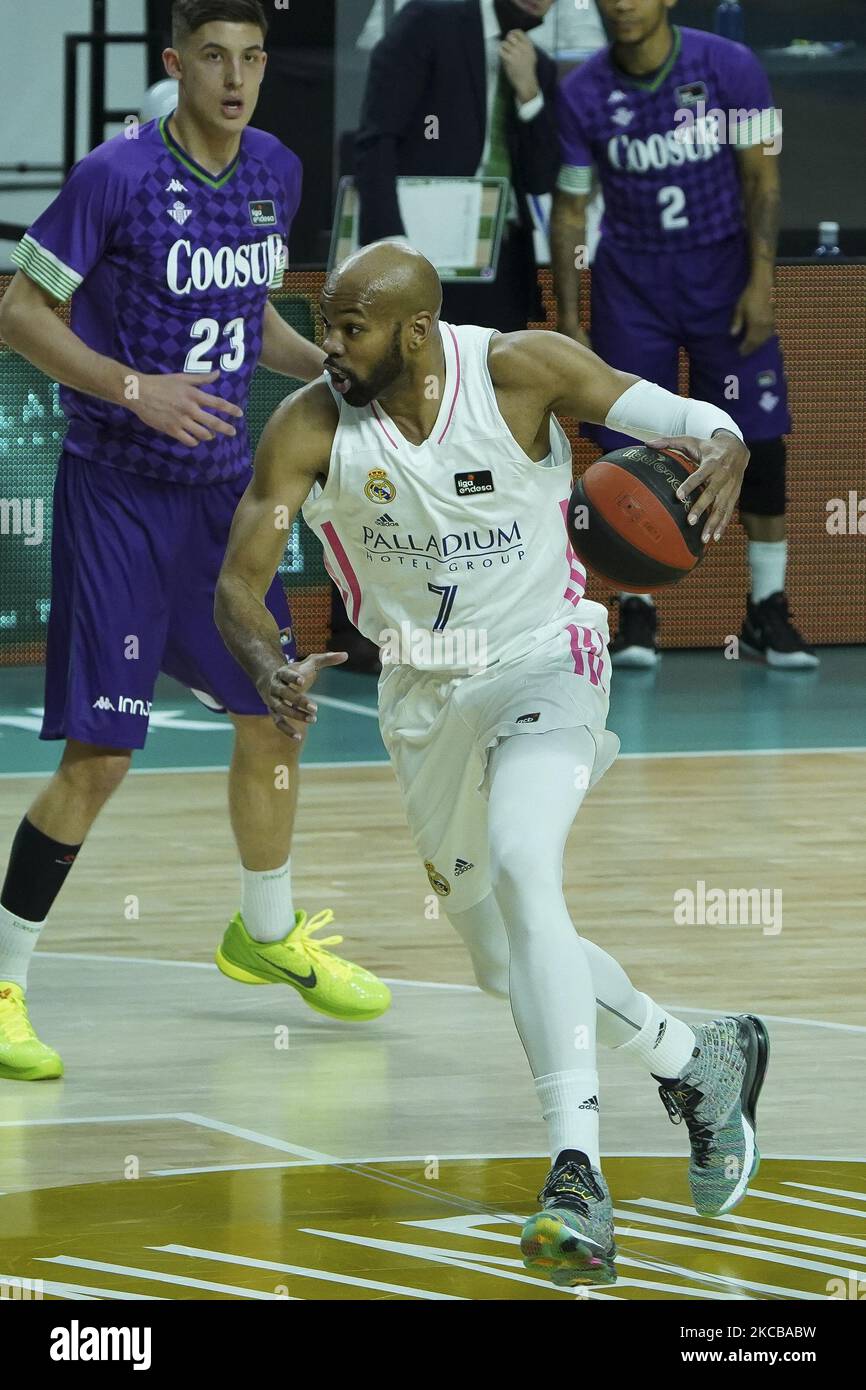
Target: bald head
{"x": 388, "y": 280}
{"x": 381, "y": 313}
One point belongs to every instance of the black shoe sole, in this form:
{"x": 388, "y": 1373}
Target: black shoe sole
{"x": 757, "y": 1061}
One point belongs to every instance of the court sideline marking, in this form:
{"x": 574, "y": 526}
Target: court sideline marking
{"x": 437, "y": 984}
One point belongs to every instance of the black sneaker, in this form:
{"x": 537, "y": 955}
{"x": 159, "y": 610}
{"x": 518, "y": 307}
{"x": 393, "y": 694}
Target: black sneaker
{"x": 769, "y": 634}
{"x": 635, "y": 643}
{"x": 571, "y": 1239}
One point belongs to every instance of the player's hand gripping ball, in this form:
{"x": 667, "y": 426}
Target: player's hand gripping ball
{"x": 626, "y": 523}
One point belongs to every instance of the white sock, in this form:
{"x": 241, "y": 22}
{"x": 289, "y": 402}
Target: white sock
{"x": 569, "y": 1105}
{"x": 266, "y": 902}
{"x": 664, "y": 1043}
{"x": 767, "y": 564}
{"x": 17, "y": 942}
{"x": 646, "y": 598}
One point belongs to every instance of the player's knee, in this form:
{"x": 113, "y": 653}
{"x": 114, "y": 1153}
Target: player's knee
{"x": 258, "y": 737}
{"x": 763, "y": 490}
{"x": 493, "y": 979}
{"x": 94, "y": 773}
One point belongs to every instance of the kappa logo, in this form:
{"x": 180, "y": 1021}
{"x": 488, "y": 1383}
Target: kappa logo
{"x": 528, "y": 718}
{"x": 378, "y": 487}
{"x": 617, "y": 95}
{"x": 462, "y": 866}
{"x": 767, "y": 378}
{"x": 263, "y": 213}
{"x": 386, "y": 520}
{"x": 591, "y": 1103}
{"x": 125, "y": 705}
{"x": 179, "y": 212}
{"x": 176, "y": 187}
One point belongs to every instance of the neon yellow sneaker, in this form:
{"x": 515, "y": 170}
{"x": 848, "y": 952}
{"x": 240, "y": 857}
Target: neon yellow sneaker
{"x": 326, "y": 982}
{"x": 22, "y": 1056}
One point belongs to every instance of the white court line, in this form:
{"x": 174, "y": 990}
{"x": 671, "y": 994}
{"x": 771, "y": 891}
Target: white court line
{"x": 454, "y": 988}
{"x": 154, "y": 1276}
{"x": 254, "y": 1137}
{"x": 735, "y": 1222}
{"x": 831, "y": 1191}
{"x": 325, "y": 1276}
{"x": 353, "y": 707}
{"x": 772, "y": 1241}
{"x": 311, "y": 765}
{"x": 87, "y": 1120}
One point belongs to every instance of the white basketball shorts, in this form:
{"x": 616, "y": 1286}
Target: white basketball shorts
{"x": 438, "y": 733}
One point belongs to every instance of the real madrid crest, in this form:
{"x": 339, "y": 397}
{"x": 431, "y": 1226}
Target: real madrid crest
{"x": 378, "y": 487}
{"x": 437, "y": 881}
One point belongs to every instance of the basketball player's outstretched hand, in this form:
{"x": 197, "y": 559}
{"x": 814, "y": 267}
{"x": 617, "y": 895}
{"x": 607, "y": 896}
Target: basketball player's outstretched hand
{"x": 722, "y": 462}
{"x": 175, "y": 404}
{"x": 285, "y": 693}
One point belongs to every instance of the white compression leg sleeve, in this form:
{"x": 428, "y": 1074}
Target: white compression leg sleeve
{"x": 534, "y": 796}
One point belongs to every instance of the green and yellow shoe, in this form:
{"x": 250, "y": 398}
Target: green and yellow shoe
{"x": 22, "y": 1056}
{"x": 329, "y": 984}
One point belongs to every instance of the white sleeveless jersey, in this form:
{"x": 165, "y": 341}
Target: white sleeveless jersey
{"x": 453, "y": 554}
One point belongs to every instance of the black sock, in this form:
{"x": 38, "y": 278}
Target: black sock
{"x": 37, "y": 871}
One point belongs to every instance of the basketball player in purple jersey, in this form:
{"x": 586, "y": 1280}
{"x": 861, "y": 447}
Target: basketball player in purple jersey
{"x": 167, "y": 245}
{"x": 681, "y": 128}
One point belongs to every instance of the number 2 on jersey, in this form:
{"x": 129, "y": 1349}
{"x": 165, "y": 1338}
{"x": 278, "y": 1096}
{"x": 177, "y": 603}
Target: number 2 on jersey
{"x": 208, "y": 331}
{"x": 448, "y": 592}
{"x": 672, "y": 200}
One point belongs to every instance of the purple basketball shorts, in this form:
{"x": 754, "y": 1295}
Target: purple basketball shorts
{"x": 645, "y": 306}
{"x": 134, "y": 566}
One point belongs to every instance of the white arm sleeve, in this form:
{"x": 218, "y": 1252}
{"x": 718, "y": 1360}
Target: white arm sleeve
{"x": 647, "y": 411}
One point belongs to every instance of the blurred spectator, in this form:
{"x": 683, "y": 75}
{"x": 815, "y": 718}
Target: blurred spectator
{"x": 470, "y": 64}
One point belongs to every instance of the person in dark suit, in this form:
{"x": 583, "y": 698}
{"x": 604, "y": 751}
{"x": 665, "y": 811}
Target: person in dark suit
{"x": 470, "y": 65}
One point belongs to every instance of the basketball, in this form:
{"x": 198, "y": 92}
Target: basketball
{"x": 626, "y": 523}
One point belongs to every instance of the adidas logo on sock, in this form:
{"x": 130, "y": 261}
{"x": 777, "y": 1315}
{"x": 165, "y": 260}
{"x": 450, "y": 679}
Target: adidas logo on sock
{"x": 590, "y": 1104}
{"x": 386, "y": 520}
{"x": 461, "y": 865}
{"x": 662, "y": 1030}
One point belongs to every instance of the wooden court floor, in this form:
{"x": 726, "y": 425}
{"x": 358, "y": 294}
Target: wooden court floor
{"x": 215, "y": 1141}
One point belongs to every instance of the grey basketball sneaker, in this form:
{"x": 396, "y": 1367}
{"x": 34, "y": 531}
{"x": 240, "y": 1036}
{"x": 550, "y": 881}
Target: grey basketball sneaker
{"x": 571, "y": 1239}
{"x": 716, "y": 1096}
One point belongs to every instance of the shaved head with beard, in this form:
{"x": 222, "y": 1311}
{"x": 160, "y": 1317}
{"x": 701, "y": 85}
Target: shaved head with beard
{"x": 380, "y": 306}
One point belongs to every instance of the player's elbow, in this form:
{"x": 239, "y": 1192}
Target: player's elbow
{"x": 10, "y": 319}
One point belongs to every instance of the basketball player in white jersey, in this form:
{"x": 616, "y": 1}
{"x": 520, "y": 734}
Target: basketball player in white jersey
{"x": 432, "y": 466}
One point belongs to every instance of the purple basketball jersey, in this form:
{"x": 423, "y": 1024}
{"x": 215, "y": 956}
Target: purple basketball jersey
{"x": 169, "y": 269}
{"x": 665, "y": 147}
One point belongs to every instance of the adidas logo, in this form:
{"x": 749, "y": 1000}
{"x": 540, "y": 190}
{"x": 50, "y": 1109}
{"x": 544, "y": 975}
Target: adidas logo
{"x": 386, "y": 520}
{"x": 461, "y": 866}
{"x": 591, "y": 1103}
{"x": 529, "y": 718}
{"x": 662, "y": 1030}
{"x": 176, "y": 187}
{"x": 102, "y": 703}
